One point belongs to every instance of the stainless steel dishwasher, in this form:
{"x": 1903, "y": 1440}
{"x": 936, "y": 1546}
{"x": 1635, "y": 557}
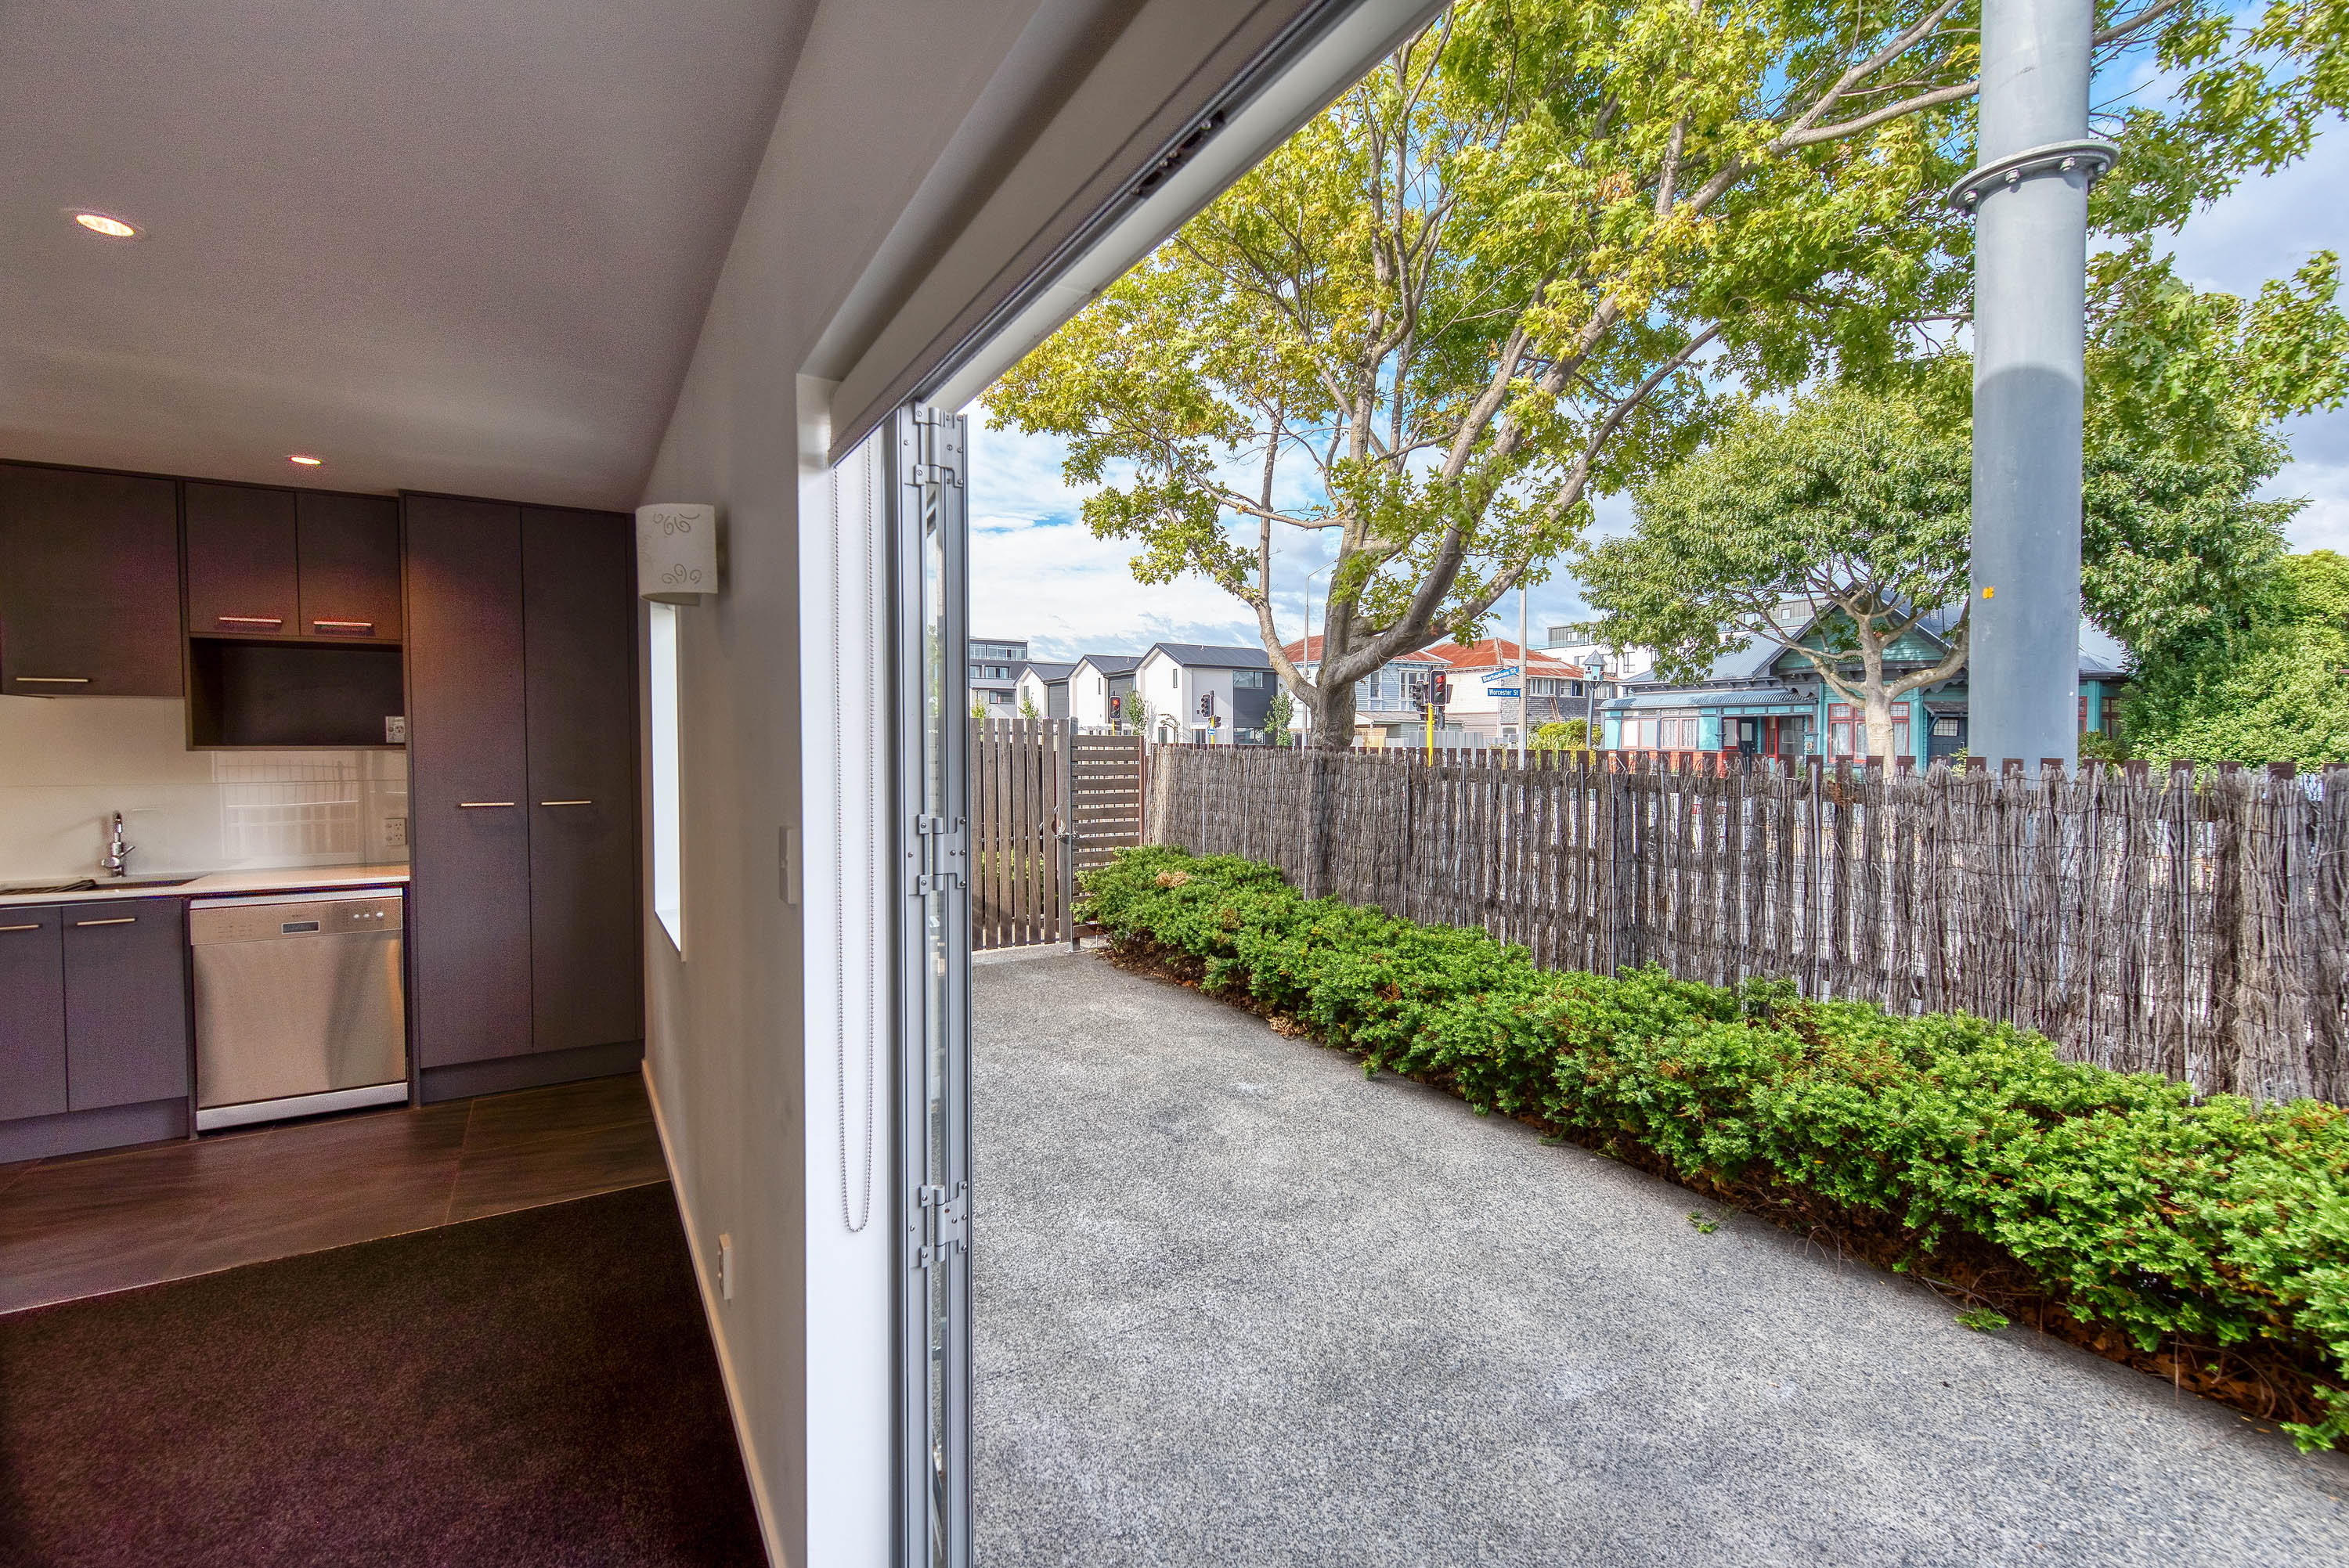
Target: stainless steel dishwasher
{"x": 300, "y": 1007}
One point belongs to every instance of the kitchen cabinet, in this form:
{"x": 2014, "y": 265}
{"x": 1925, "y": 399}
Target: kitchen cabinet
{"x": 468, "y": 781}
{"x": 349, "y": 551}
{"x": 526, "y": 930}
{"x": 269, "y": 564}
{"x": 579, "y": 627}
{"x": 126, "y": 1002}
{"x": 89, "y": 584}
{"x": 32, "y": 1012}
{"x": 244, "y": 563}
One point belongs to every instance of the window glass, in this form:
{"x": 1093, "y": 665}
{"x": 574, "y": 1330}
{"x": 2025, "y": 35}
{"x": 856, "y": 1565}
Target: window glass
{"x": 669, "y": 871}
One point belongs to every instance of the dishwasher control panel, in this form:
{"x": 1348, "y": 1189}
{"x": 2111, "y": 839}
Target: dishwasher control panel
{"x": 274, "y": 919}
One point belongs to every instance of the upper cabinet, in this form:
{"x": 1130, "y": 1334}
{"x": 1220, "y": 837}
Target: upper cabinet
{"x": 348, "y": 547}
{"x": 292, "y": 564}
{"x": 89, "y": 584}
{"x": 243, "y": 576}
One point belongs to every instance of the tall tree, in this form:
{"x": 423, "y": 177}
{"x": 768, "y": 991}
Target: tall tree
{"x": 1508, "y": 270}
{"x": 1832, "y": 530}
{"x": 2267, "y": 684}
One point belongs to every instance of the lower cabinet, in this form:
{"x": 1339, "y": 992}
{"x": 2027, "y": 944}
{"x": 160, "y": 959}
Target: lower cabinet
{"x": 93, "y": 1007}
{"x": 126, "y": 975}
{"x": 31, "y": 1014}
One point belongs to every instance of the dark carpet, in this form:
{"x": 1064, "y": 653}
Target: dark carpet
{"x": 537, "y": 1388}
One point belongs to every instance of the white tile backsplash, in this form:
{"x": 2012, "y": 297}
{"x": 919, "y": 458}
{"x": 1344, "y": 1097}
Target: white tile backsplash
{"x": 68, "y": 764}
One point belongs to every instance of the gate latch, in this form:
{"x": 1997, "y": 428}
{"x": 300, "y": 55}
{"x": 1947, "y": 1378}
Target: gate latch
{"x": 941, "y": 855}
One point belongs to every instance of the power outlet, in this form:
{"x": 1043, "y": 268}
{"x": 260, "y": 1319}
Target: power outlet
{"x": 725, "y": 1267}
{"x": 394, "y": 832}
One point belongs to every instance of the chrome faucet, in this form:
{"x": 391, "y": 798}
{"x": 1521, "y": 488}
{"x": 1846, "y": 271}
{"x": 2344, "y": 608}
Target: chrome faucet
{"x": 116, "y": 862}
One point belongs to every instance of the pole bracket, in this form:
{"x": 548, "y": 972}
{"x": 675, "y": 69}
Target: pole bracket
{"x": 2092, "y": 153}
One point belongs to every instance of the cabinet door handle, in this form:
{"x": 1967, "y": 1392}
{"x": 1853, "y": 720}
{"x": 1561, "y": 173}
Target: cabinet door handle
{"x": 35, "y": 926}
{"x": 361, "y": 628}
{"x": 482, "y": 805}
{"x": 50, "y": 680}
{"x": 118, "y": 920}
{"x": 566, "y": 802}
{"x": 270, "y": 623}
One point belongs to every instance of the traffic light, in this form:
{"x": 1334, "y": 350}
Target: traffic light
{"x": 1206, "y": 705}
{"x": 1117, "y": 703}
{"x": 1443, "y": 689}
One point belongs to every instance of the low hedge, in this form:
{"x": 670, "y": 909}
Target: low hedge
{"x": 2171, "y": 1219}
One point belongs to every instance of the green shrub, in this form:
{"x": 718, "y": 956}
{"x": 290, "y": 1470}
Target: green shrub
{"x": 2146, "y": 1209}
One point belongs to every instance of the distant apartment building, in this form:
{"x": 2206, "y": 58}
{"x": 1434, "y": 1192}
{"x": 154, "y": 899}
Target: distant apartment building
{"x": 994, "y": 664}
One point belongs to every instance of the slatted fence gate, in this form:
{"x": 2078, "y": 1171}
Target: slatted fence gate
{"x": 1046, "y": 802}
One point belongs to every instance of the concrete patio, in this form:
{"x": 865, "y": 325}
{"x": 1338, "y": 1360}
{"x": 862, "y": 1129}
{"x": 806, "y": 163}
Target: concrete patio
{"x": 1237, "y": 1305}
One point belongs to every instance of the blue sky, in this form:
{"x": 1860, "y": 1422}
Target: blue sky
{"x": 1038, "y": 572}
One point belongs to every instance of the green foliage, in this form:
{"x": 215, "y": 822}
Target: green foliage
{"x": 1563, "y": 734}
{"x": 978, "y": 707}
{"x": 1028, "y": 707}
{"x": 1705, "y": 1227}
{"x": 1853, "y": 503}
{"x": 2147, "y": 1209}
{"x": 1982, "y": 1320}
{"x": 2269, "y": 684}
{"x": 1471, "y": 294}
{"x": 1278, "y": 713}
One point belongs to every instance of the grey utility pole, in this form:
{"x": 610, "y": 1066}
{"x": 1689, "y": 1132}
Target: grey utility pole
{"x": 2030, "y": 196}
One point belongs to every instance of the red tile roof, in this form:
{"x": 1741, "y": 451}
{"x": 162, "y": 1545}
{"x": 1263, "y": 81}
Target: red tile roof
{"x": 1489, "y": 653}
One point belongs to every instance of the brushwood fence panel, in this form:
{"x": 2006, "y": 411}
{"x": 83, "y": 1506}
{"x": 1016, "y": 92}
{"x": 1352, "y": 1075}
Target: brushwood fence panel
{"x": 2193, "y": 926}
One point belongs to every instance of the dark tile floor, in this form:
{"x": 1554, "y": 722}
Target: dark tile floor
{"x": 90, "y": 1223}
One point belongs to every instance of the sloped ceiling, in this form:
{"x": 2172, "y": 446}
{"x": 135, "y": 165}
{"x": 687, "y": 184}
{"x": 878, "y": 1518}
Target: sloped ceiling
{"x": 460, "y": 245}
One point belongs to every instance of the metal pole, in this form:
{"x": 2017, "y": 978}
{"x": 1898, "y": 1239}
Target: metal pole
{"x": 1524, "y": 674}
{"x": 2030, "y": 195}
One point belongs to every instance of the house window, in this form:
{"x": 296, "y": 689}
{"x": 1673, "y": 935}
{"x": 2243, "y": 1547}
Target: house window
{"x": 1945, "y": 730}
{"x": 1847, "y": 731}
{"x": 1841, "y": 721}
{"x": 1174, "y": 679}
{"x": 668, "y": 870}
{"x": 1250, "y": 680}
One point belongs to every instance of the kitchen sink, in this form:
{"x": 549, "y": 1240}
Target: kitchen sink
{"x": 91, "y": 884}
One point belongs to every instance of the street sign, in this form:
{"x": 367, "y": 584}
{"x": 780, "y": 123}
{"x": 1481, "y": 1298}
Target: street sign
{"x": 1500, "y": 691}
{"x": 1504, "y": 673}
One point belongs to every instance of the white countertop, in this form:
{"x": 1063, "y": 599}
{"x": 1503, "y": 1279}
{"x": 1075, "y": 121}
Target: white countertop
{"x": 211, "y": 885}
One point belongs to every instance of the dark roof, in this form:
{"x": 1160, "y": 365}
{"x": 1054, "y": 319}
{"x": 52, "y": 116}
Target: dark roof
{"x": 1110, "y": 663}
{"x": 1046, "y": 672}
{"x": 1201, "y": 655}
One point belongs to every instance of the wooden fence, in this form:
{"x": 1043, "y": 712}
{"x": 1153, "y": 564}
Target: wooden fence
{"x": 1046, "y": 802}
{"x": 2196, "y": 927}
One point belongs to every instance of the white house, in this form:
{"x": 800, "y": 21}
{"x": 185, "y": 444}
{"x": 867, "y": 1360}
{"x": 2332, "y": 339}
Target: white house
{"x": 1488, "y": 698}
{"x": 1209, "y": 695}
{"x": 1100, "y": 691}
{"x": 1580, "y": 644}
{"x": 1042, "y": 688}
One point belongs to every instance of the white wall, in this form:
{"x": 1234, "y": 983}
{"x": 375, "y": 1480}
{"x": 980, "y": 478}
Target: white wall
{"x": 68, "y": 764}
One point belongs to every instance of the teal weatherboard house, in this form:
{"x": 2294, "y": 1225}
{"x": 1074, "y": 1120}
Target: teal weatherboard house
{"x": 1763, "y": 698}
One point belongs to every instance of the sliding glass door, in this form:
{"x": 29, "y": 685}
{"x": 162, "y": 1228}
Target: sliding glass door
{"x": 933, "y": 1059}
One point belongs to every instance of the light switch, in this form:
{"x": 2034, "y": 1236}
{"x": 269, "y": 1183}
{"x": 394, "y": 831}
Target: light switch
{"x": 787, "y": 865}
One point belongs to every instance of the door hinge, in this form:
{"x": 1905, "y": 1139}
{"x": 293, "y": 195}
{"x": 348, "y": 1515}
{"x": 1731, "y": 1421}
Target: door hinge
{"x": 939, "y": 855}
{"x": 944, "y": 1224}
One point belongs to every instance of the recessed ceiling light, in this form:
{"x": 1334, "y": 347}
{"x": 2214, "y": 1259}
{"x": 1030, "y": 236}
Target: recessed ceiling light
{"x": 105, "y": 223}
{"x": 304, "y": 459}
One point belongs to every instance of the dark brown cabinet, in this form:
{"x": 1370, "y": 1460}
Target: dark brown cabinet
{"x": 126, "y": 995}
{"x": 349, "y": 551}
{"x": 469, "y": 783}
{"x": 580, "y": 696}
{"x": 244, "y": 563}
{"x": 32, "y": 1012}
{"x": 89, "y": 584}
{"x": 526, "y": 930}
{"x": 266, "y": 563}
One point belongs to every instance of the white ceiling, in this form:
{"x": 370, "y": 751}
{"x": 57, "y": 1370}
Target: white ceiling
{"x": 460, "y": 245}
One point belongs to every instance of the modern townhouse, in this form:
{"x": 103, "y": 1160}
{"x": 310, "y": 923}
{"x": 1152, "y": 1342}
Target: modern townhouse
{"x": 1042, "y": 688}
{"x": 1205, "y": 695}
{"x": 1100, "y": 692}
